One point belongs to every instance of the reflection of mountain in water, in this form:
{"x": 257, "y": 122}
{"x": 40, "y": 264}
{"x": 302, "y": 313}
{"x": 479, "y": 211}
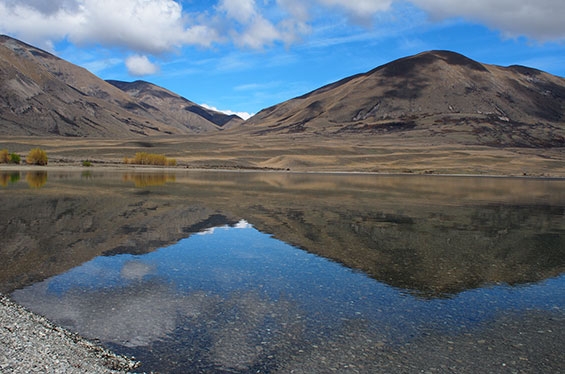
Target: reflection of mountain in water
{"x": 434, "y": 250}
{"x": 51, "y": 230}
{"x": 422, "y": 234}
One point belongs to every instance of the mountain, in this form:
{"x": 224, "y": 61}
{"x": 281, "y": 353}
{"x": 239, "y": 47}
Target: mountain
{"x": 432, "y": 94}
{"x": 183, "y": 111}
{"x": 438, "y": 97}
{"x": 43, "y": 95}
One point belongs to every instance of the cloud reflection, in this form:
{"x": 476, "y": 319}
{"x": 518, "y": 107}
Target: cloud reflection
{"x": 136, "y": 270}
{"x": 242, "y": 224}
{"x": 239, "y": 300}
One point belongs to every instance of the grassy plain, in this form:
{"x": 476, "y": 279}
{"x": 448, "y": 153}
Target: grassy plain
{"x": 305, "y": 153}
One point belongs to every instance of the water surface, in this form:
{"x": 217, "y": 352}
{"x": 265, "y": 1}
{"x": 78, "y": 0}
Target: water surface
{"x": 254, "y": 272}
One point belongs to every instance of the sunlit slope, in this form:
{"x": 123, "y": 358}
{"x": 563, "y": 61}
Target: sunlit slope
{"x": 43, "y": 95}
{"x": 436, "y": 96}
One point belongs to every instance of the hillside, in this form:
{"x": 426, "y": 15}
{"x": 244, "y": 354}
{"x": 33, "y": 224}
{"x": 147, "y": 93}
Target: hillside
{"x": 43, "y": 95}
{"x": 435, "y": 112}
{"x": 157, "y": 99}
{"x": 437, "y": 94}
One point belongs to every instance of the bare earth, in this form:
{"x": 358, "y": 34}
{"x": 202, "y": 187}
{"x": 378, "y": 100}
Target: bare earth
{"x": 392, "y": 153}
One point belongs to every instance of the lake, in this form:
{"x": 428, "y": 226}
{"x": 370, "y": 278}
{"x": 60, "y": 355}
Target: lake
{"x": 245, "y": 272}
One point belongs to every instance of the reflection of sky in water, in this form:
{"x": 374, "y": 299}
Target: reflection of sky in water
{"x": 243, "y": 289}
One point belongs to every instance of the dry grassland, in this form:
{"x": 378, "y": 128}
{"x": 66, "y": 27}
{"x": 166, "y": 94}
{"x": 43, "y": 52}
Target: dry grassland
{"x": 306, "y": 153}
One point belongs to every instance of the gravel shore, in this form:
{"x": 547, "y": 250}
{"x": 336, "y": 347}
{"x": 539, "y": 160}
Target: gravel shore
{"x": 30, "y": 343}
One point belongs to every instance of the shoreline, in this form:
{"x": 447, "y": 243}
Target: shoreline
{"x": 116, "y": 167}
{"x": 30, "y": 343}
{"x": 349, "y": 155}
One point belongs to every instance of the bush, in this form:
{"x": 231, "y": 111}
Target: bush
{"x": 4, "y": 156}
{"x": 143, "y": 158}
{"x": 15, "y": 158}
{"x": 37, "y": 156}
{"x": 9, "y": 158}
{"x": 87, "y": 163}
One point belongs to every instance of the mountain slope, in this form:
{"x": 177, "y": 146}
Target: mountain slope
{"x": 43, "y": 95}
{"x": 156, "y": 99}
{"x": 436, "y": 93}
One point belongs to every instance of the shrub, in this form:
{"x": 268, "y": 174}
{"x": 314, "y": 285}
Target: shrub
{"x": 9, "y": 158}
{"x": 37, "y": 156}
{"x": 15, "y": 158}
{"x": 143, "y": 158}
{"x": 4, "y": 156}
{"x": 87, "y": 163}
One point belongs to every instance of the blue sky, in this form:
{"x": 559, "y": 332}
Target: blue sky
{"x": 245, "y": 55}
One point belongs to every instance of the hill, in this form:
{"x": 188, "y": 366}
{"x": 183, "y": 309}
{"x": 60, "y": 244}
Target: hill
{"x": 43, "y": 95}
{"x": 157, "y": 100}
{"x": 436, "y": 94}
{"x": 435, "y": 112}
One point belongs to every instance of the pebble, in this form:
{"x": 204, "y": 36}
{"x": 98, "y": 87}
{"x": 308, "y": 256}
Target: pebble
{"x": 30, "y": 343}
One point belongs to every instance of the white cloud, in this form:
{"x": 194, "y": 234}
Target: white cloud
{"x": 258, "y": 34}
{"x": 360, "y": 10}
{"x": 536, "y": 19}
{"x": 157, "y": 26}
{"x": 140, "y": 65}
{"x": 149, "y": 26}
{"x": 244, "y": 115}
{"x": 240, "y": 10}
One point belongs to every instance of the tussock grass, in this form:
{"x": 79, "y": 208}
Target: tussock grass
{"x": 37, "y": 156}
{"x": 4, "y": 156}
{"x": 144, "y": 158}
{"x": 9, "y": 158}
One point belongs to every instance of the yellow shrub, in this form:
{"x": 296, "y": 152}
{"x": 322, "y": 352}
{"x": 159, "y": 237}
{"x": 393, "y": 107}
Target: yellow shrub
{"x": 143, "y": 158}
{"x": 4, "y": 156}
{"x": 37, "y": 156}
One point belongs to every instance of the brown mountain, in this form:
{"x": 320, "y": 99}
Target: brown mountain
{"x": 41, "y": 94}
{"x": 157, "y": 99}
{"x": 436, "y": 93}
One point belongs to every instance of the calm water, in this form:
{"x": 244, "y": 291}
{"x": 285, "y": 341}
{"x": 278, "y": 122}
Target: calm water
{"x": 251, "y": 272}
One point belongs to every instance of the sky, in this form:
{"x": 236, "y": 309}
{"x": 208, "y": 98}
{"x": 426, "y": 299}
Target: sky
{"x": 241, "y": 56}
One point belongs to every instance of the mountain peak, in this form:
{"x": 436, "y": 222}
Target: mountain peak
{"x": 408, "y": 65}
{"x": 429, "y": 94}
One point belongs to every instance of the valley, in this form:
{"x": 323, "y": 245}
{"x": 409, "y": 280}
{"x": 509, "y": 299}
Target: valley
{"x": 358, "y": 153}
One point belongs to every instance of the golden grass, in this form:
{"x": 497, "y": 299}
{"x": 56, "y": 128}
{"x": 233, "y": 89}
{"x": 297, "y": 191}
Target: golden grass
{"x": 144, "y": 158}
{"x": 372, "y": 154}
{"x": 37, "y": 156}
{"x": 4, "y": 156}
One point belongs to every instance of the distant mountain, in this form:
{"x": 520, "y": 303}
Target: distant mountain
{"x": 183, "y": 111}
{"x": 438, "y": 94}
{"x": 432, "y": 94}
{"x": 43, "y": 95}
